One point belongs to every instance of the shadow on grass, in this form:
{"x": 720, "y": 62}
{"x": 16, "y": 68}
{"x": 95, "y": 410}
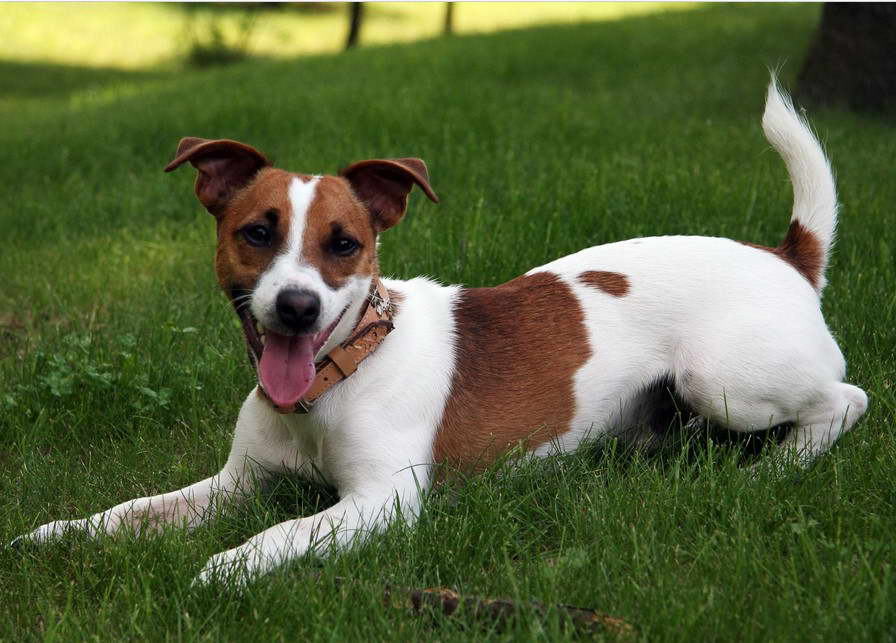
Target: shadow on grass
{"x": 50, "y": 80}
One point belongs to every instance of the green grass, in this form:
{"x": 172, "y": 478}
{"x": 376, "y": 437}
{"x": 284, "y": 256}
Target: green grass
{"x": 123, "y": 368}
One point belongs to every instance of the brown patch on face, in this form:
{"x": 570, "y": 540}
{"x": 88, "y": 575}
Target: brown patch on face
{"x": 518, "y": 348}
{"x": 264, "y": 201}
{"x": 612, "y": 283}
{"x": 335, "y": 213}
{"x": 801, "y": 249}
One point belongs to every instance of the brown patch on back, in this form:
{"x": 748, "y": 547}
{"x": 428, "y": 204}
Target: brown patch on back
{"x": 612, "y": 283}
{"x": 336, "y": 211}
{"x": 801, "y": 249}
{"x": 518, "y": 348}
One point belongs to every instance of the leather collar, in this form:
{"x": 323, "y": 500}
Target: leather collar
{"x": 374, "y": 323}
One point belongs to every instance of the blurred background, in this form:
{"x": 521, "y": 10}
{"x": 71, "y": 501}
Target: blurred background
{"x": 47, "y": 49}
{"x": 170, "y": 35}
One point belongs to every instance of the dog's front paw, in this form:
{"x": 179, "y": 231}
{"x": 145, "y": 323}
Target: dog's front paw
{"x": 50, "y": 532}
{"x": 234, "y": 568}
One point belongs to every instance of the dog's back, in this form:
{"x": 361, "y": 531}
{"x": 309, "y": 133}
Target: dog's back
{"x": 735, "y": 329}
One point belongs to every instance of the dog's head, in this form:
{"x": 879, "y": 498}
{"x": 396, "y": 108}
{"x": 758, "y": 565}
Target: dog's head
{"x": 296, "y": 253}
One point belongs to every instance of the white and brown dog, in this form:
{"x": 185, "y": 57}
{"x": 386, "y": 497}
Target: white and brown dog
{"x": 368, "y": 383}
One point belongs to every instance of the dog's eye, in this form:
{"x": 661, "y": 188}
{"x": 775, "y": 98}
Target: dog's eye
{"x": 343, "y": 246}
{"x": 257, "y": 235}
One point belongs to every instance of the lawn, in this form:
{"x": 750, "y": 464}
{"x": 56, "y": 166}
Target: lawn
{"x": 123, "y": 367}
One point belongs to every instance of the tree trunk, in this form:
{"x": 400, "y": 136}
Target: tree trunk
{"x": 449, "y": 18}
{"x": 356, "y": 12}
{"x": 852, "y": 59}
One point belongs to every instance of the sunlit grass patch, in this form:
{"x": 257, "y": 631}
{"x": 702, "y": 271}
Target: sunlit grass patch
{"x": 142, "y": 35}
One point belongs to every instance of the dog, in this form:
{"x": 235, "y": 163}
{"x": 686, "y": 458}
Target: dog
{"x": 367, "y": 383}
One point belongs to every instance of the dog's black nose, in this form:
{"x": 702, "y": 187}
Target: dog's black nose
{"x": 298, "y": 309}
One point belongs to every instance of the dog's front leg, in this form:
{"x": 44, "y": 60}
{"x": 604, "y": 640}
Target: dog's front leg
{"x": 248, "y": 465}
{"x": 187, "y": 507}
{"x": 351, "y": 520}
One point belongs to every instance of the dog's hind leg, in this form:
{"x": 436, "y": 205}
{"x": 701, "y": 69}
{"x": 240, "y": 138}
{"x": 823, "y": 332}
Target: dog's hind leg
{"x": 774, "y": 395}
{"x": 819, "y": 426}
{"x": 654, "y": 414}
{"x": 748, "y": 380}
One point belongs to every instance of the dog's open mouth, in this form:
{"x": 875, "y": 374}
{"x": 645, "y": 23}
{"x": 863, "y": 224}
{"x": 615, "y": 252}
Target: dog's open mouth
{"x": 284, "y": 363}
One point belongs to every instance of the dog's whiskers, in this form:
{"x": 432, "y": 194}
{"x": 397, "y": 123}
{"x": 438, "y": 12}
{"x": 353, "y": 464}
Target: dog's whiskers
{"x": 242, "y": 301}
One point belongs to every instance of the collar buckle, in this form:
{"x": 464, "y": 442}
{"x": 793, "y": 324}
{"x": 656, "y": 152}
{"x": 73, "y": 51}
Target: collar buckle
{"x": 380, "y": 304}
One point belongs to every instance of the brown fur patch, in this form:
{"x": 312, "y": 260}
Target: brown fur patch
{"x": 518, "y": 347}
{"x": 336, "y": 211}
{"x": 383, "y": 186}
{"x": 395, "y": 299}
{"x": 801, "y": 249}
{"x": 236, "y": 262}
{"x": 612, "y": 283}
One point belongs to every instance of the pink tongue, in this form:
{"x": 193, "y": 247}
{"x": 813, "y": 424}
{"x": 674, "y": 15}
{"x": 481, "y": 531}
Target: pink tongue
{"x": 287, "y": 367}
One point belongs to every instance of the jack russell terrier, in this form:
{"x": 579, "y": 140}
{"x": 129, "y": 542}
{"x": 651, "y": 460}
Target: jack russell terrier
{"x": 368, "y": 383}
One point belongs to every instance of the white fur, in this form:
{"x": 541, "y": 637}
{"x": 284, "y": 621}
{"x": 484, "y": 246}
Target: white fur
{"x": 814, "y": 193}
{"x": 301, "y": 196}
{"x": 287, "y": 270}
{"x": 290, "y": 270}
{"x": 737, "y": 330}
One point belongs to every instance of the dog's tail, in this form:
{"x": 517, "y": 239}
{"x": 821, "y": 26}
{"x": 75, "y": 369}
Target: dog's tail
{"x": 814, "y": 219}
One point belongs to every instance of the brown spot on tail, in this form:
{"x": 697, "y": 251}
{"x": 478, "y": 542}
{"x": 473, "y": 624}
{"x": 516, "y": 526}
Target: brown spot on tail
{"x": 518, "y": 347}
{"x": 612, "y": 283}
{"x": 801, "y": 249}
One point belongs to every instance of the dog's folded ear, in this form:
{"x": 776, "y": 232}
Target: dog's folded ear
{"x": 383, "y": 186}
{"x": 224, "y": 167}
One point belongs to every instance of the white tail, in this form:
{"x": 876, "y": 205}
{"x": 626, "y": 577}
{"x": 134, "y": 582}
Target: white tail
{"x": 814, "y": 219}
